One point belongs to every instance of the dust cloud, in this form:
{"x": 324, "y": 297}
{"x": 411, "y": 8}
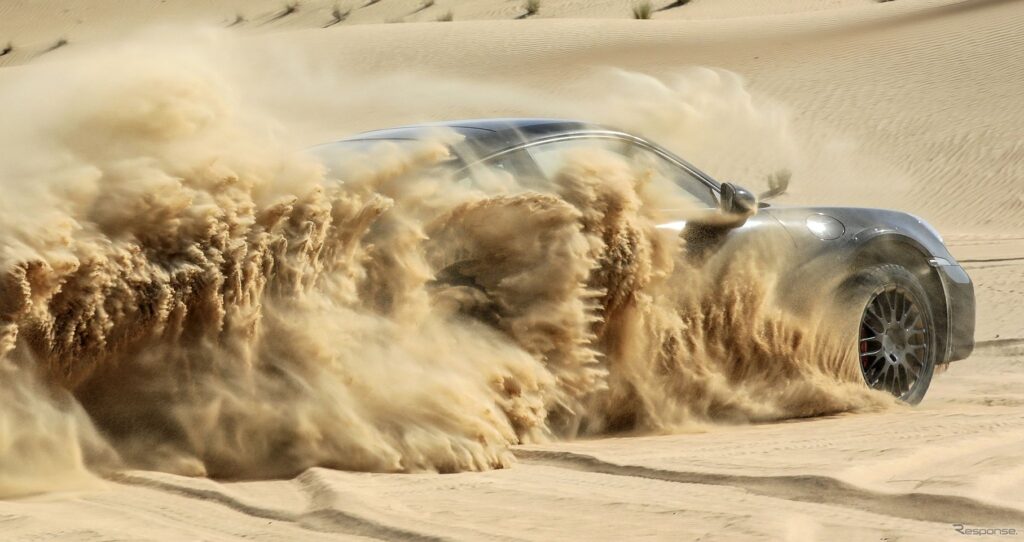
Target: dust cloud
{"x": 181, "y": 289}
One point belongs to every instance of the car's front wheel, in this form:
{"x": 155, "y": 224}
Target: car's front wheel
{"x": 896, "y": 346}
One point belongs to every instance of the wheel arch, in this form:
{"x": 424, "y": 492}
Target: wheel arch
{"x": 896, "y": 248}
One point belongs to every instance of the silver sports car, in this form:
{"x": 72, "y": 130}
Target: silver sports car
{"x": 915, "y": 302}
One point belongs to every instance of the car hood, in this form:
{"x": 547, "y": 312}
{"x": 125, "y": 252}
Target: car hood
{"x": 858, "y": 225}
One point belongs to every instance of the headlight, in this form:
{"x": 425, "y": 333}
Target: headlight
{"x": 825, "y": 227}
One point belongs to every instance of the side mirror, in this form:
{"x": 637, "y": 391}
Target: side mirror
{"x": 737, "y": 204}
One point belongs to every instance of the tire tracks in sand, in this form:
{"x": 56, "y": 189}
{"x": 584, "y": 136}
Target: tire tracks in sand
{"x": 320, "y": 516}
{"x": 803, "y": 488}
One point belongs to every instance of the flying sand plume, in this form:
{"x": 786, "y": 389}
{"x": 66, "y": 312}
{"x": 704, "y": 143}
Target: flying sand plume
{"x": 181, "y": 291}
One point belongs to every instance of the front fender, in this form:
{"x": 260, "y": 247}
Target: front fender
{"x": 876, "y": 236}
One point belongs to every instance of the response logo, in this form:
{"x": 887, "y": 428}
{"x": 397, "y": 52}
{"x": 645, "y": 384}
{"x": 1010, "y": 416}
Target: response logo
{"x": 984, "y": 531}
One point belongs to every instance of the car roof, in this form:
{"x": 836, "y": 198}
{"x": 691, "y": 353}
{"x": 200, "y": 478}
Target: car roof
{"x": 486, "y": 136}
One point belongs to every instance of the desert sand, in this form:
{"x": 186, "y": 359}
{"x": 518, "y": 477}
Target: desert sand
{"x": 911, "y": 104}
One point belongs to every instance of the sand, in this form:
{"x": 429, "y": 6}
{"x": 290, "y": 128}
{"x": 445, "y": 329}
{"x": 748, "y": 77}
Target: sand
{"x": 911, "y": 104}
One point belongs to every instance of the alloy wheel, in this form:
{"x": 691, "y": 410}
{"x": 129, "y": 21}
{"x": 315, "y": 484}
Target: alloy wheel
{"x": 893, "y": 342}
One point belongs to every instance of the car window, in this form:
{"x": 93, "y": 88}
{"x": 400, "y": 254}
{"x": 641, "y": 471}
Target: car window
{"x": 516, "y": 163}
{"x": 670, "y": 179}
{"x": 662, "y": 180}
{"x": 551, "y": 157}
{"x": 507, "y": 172}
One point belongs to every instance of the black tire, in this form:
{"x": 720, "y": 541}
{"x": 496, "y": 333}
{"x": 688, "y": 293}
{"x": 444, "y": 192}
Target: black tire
{"x": 896, "y": 337}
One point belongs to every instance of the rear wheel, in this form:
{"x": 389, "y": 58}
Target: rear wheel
{"x": 896, "y": 335}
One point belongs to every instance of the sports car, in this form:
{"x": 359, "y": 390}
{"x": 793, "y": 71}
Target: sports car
{"x": 914, "y": 303}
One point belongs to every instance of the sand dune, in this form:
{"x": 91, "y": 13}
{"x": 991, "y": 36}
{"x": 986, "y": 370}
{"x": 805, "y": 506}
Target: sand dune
{"x": 911, "y": 104}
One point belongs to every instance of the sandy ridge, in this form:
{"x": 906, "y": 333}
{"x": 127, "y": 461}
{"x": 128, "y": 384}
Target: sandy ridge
{"x": 808, "y": 488}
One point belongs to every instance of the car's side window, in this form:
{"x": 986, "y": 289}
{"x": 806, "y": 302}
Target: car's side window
{"x": 665, "y": 181}
{"x": 516, "y": 163}
{"x": 551, "y": 157}
{"x": 671, "y": 179}
{"x": 508, "y": 171}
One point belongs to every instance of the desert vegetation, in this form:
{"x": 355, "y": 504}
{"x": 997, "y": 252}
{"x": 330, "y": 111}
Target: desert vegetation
{"x": 676, "y": 4}
{"x": 642, "y": 10}
{"x": 337, "y": 16}
{"x": 531, "y": 8}
{"x": 57, "y": 45}
{"x": 427, "y": 4}
{"x": 288, "y": 9}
